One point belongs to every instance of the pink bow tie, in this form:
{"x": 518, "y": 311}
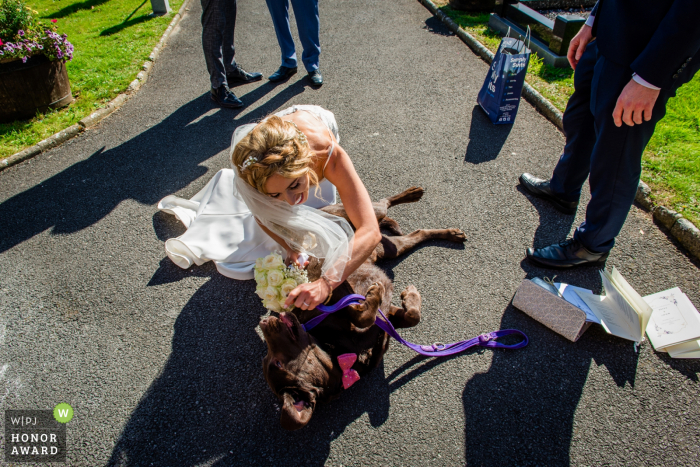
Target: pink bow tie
{"x": 346, "y": 362}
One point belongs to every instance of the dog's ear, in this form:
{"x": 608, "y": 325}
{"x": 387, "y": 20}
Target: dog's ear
{"x": 296, "y": 412}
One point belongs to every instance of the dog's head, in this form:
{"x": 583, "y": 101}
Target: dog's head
{"x": 295, "y": 368}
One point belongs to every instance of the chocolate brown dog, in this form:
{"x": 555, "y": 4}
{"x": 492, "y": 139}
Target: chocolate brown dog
{"x": 302, "y": 367}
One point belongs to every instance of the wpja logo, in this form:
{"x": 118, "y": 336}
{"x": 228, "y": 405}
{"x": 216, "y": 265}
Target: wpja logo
{"x": 37, "y": 435}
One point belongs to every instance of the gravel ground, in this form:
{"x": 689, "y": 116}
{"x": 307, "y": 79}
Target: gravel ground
{"x": 162, "y": 365}
{"x": 552, "y": 14}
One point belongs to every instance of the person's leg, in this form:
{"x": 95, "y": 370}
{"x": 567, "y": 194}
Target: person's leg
{"x": 229, "y": 50}
{"x": 572, "y": 169}
{"x": 279, "y": 10}
{"x": 309, "y": 27}
{"x": 213, "y": 23}
{"x": 615, "y": 159}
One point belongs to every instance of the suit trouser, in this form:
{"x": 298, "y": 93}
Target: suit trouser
{"x": 218, "y": 25}
{"x": 612, "y": 156}
{"x": 308, "y": 25}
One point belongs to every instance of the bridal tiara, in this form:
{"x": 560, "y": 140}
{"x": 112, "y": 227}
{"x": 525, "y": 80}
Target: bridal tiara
{"x": 301, "y": 136}
{"x": 250, "y": 160}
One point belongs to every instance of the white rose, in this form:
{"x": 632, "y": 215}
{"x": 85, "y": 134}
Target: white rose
{"x": 275, "y": 277}
{"x": 261, "y": 279}
{"x": 269, "y": 293}
{"x": 287, "y": 286}
{"x": 273, "y": 261}
{"x": 260, "y": 292}
{"x": 259, "y": 263}
{"x": 273, "y": 305}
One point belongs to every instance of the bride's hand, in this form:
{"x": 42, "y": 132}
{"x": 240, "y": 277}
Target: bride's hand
{"x": 309, "y": 296}
{"x": 293, "y": 257}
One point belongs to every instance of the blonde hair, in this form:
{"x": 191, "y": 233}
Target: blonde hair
{"x": 274, "y": 146}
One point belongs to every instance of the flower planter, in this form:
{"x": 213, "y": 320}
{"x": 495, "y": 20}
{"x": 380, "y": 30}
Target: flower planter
{"x": 35, "y": 86}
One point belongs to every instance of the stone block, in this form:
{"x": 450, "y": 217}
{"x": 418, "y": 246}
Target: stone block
{"x": 565, "y": 28}
{"x": 643, "y": 196}
{"x": 688, "y": 235}
{"x": 666, "y": 216}
{"x": 473, "y": 5}
{"x": 95, "y": 117}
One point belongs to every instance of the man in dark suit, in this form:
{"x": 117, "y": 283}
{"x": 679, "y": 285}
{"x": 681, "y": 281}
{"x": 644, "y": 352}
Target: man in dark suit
{"x": 218, "y": 26}
{"x": 630, "y": 58}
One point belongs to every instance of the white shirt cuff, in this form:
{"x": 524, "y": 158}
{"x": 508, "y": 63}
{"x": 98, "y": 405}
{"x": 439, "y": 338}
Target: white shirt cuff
{"x": 643, "y": 82}
{"x": 589, "y": 22}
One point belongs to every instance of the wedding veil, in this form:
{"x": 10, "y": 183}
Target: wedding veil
{"x": 303, "y": 228}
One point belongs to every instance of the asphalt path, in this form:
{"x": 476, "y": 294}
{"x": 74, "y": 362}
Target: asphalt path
{"x": 162, "y": 365}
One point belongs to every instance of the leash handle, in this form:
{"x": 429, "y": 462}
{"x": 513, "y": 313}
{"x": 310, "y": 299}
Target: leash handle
{"x": 434, "y": 350}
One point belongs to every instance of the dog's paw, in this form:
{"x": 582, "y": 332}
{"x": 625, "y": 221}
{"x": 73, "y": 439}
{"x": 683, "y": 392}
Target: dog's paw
{"x": 413, "y": 194}
{"x": 456, "y": 235}
{"x": 375, "y": 293}
{"x": 410, "y": 298}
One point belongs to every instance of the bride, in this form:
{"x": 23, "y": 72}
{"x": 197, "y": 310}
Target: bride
{"x": 284, "y": 169}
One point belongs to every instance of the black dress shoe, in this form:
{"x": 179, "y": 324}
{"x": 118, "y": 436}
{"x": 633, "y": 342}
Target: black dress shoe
{"x": 315, "y": 78}
{"x": 566, "y": 254}
{"x": 284, "y": 72}
{"x": 541, "y": 189}
{"x": 225, "y": 98}
{"x": 239, "y": 75}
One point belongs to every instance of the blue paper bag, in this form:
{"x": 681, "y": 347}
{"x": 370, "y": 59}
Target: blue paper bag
{"x": 500, "y": 95}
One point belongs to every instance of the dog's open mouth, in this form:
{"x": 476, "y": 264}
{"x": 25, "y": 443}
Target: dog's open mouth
{"x": 291, "y": 324}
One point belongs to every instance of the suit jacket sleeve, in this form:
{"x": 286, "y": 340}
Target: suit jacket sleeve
{"x": 676, "y": 40}
{"x": 594, "y": 14}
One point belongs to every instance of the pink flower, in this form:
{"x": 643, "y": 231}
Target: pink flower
{"x": 1, "y": 43}
{"x": 54, "y": 20}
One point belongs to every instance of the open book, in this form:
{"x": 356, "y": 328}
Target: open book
{"x": 621, "y": 311}
{"x": 674, "y": 326}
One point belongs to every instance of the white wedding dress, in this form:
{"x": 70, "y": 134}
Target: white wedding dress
{"x": 221, "y": 228}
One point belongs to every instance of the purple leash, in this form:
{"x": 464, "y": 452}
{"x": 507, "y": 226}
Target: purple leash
{"x": 435, "y": 350}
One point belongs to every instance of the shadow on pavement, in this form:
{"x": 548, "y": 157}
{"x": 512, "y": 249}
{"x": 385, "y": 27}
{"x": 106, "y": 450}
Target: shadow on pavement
{"x": 554, "y": 227}
{"x": 436, "y": 26}
{"x": 485, "y": 139}
{"x": 211, "y": 403}
{"x": 158, "y": 162}
{"x": 521, "y": 412}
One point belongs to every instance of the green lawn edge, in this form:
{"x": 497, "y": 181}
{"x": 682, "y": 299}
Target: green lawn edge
{"x": 671, "y": 161}
{"x": 112, "y": 40}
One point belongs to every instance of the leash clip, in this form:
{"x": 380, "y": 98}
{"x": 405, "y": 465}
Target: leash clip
{"x": 484, "y": 338}
{"x": 439, "y": 346}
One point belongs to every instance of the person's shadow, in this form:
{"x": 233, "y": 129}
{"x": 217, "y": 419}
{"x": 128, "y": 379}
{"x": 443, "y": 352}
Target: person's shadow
{"x": 521, "y": 411}
{"x": 158, "y": 162}
{"x": 553, "y": 226}
{"x": 211, "y": 404}
{"x": 485, "y": 139}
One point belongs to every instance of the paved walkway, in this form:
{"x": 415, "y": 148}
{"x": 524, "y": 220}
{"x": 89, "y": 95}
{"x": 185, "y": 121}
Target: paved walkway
{"x": 162, "y": 366}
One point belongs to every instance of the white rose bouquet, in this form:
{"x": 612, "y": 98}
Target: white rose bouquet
{"x": 275, "y": 280}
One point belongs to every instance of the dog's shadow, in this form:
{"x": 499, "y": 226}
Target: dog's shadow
{"x": 211, "y": 404}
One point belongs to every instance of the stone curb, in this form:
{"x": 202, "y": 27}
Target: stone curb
{"x": 95, "y": 117}
{"x": 682, "y": 229}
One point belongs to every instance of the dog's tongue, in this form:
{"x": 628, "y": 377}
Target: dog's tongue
{"x": 286, "y": 320}
{"x": 299, "y": 406}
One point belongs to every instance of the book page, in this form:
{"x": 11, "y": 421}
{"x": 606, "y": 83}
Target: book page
{"x": 627, "y": 312}
{"x": 568, "y": 291}
{"x": 611, "y": 318}
{"x": 686, "y": 350}
{"x": 631, "y": 296}
{"x": 674, "y": 319}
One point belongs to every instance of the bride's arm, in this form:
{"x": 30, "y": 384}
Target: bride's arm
{"x": 292, "y": 256}
{"x": 358, "y": 206}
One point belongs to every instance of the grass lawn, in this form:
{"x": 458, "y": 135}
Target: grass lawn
{"x": 671, "y": 162}
{"x": 112, "y": 39}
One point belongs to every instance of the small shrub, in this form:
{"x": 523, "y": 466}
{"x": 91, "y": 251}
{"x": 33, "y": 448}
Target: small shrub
{"x": 22, "y": 35}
